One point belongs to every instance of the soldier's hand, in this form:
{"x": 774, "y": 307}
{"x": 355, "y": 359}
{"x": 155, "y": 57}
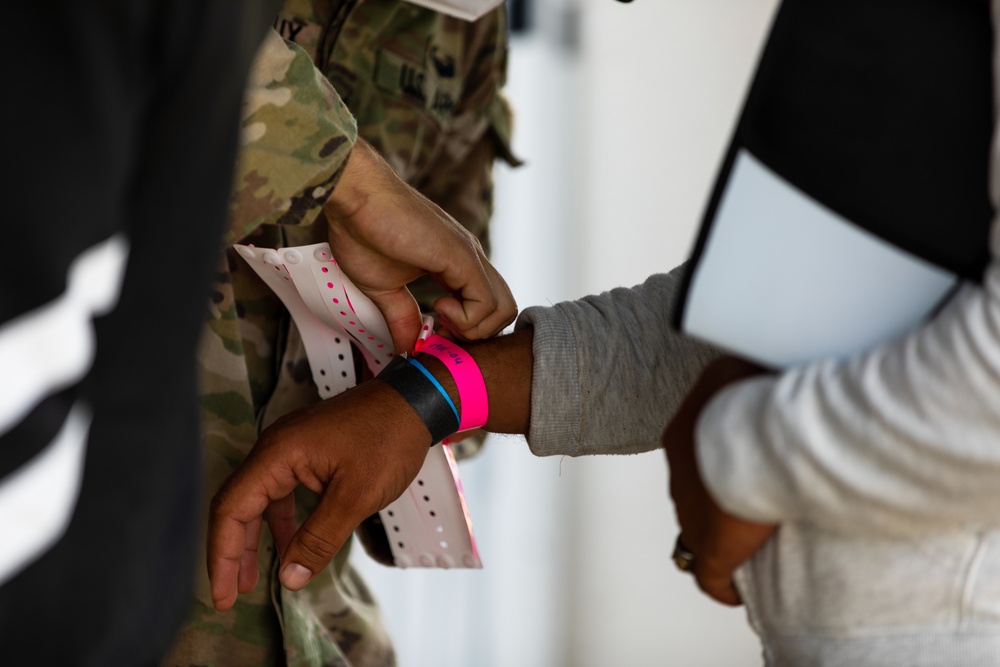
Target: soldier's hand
{"x": 719, "y": 541}
{"x": 385, "y": 234}
{"x": 358, "y": 450}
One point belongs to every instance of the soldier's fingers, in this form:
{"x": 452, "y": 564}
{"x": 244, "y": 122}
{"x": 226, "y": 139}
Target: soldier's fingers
{"x": 484, "y": 304}
{"x": 280, "y": 516}
{"x": 402, "y": 316}
{"x": 319, "y": 539}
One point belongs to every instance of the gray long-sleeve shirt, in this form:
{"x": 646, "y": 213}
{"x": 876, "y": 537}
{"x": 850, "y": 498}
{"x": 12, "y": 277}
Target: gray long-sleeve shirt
{"x": 609, "y": 370}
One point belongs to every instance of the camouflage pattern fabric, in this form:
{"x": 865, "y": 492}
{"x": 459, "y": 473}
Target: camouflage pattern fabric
{"x": 441, "y": 132}
{"x": 424, "y": 88}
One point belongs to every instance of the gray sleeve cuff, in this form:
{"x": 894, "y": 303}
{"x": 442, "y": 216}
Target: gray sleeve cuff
{"x": 609, "y": 370}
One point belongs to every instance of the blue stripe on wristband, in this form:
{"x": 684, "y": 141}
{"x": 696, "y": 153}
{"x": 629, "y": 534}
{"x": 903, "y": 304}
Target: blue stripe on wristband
{"x": 424, "y": 394}
{"x": 437, "y": 385}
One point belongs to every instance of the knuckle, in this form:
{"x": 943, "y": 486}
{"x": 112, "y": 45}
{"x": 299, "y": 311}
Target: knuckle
{"x": 315, "y": 547}
{"x": 218, "y": 505}
{"x": 707, "y": 587}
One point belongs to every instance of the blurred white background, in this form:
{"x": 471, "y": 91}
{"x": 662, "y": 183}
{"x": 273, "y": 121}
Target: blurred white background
{"x": 623, "y": 113}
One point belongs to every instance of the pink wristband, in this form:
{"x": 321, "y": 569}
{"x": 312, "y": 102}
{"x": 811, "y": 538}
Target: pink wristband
{"x": 468, "y": 378}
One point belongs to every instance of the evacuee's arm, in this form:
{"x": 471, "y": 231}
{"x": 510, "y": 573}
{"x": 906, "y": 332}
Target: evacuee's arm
{"x": 359, "y": 450}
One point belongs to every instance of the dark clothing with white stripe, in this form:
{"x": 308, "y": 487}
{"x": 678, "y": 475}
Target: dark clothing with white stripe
{"x": 120, "y": 124}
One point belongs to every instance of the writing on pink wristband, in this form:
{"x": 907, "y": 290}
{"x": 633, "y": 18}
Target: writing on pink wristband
{"x": 468, "y": 378}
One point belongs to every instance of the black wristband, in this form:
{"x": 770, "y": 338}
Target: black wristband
{"x": 431, "y": 406}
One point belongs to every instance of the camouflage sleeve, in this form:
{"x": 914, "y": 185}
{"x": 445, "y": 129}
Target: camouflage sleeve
{"x": 297, "y": 134}
{"x": 460, "y": 179}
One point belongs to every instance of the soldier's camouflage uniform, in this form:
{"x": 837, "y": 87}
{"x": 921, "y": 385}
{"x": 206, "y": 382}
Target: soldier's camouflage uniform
{"x": 425, "y": 90}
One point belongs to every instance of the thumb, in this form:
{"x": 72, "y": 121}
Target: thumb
{"x": 401, "y": 314}
{"x": 317, "y": 541}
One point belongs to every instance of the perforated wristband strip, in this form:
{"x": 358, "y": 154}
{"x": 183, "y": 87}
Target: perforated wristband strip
{"x": 430, "y": 402}
{"x": 475, "y": 405}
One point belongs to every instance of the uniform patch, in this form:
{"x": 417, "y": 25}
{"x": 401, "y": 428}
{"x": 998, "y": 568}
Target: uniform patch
{"x": 433, "y": 85}
{"x": 395, "y": 75}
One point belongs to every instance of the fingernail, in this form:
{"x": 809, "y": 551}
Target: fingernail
{"x": 294, "y": 576}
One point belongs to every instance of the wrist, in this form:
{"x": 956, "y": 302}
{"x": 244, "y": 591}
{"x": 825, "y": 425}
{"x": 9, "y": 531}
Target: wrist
{"x": 468, "y": 379}
{"x": 425, "y": 396}
{"x": 350, "y": 194}
{"x": 506, "y": 364}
